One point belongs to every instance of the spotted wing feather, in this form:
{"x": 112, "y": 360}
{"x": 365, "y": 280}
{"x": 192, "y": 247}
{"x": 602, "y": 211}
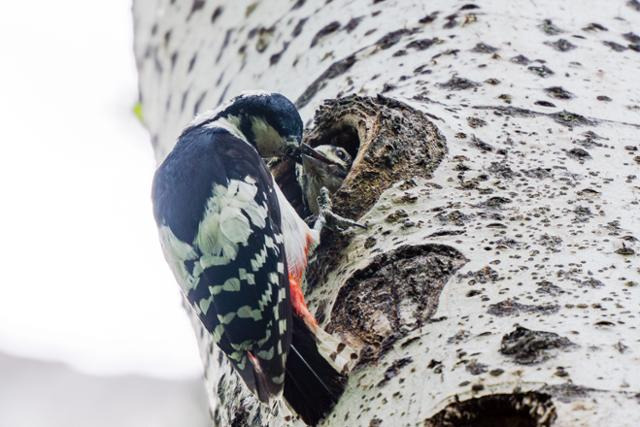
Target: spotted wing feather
{"x": 220, "y": 228}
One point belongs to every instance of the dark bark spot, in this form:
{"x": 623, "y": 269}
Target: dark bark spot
{"x": 192, "y": 62}
{"x": 494, "y": 202}
{"x": 634, "y": 4}
{"x": 475, "y": 368}
{"x": 614, "y": 46}
{"x": 225, "y": 43}
{"x": 394, "y": 369}
{"x": 392, "y": 38}
{"x": 569, "y": 119}
{"x": 224, "y": 93}
{"x": 298, "y": 4}
{"x": 561, "y": 45}
{"x": 452, "y": 21}
{"x": 264, "y": 38}
{"x": 625, "y": 251}
{"x": 520, "y": 60}
{"x": 370, "y": 242}
{"x": 545, "y": 104}
{"x": 353, "y": 24}
{"x": 336, "y": 69}
{"x": 388, "y": 87}
{"x": 454, "y": 217}
{"x": 579, "y": 154}
{"x": 510, "y": 307}
{"x": 545, "y": 287}
{"x": 475, "y": 122}
{"x": 325, "y": 31}
{"x": 594, "y": 26}
{"x": 216, "y": 14}
{"x": 484, "y": 275}
{"x": 422, "y": 44}
{"x": 632, "y": 37}
{"x": 501, "y": 170}
{"x": 480, "y": 144}
{"x": 429, "y": 18}
{"x": 275, "y": 58}
{"x": 541, "y": 70}
{"x": 549, "y": 28}
{"x": 198, "y": 104}
{"x": 590, "y": 140}
{"x": 443, "y": 233}
{"x": 196, "y": 6}
{"x": 567, "y": 392}
{"x": 298, "y": 28}
{"x": 453, "y": 52}
{"x": 532, "y": 409}
{"x": 173, "y": 58}
{"x": 183, "y": 102}
{"x": 528, "y": 347}
{"x": 459, "y": 83}
{"x": 558, "y": 92}
{"x": 484, "y": 48}
{"x": 411, "y": 277}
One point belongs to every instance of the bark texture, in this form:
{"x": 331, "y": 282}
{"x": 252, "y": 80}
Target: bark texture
{"x": 498, "y": 154}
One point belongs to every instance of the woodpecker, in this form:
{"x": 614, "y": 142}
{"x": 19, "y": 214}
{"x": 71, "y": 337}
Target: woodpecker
{"x": 239, "y": 250}
{"x": 326, "y": 172}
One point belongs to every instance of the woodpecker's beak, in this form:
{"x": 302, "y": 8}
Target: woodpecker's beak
{"x": 307, "y": 152}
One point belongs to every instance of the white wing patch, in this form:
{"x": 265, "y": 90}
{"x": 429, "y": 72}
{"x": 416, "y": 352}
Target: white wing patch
{"x": 231, "y": 285}
{"x": 176, "y": 252}
{"x": 224, "y": 226}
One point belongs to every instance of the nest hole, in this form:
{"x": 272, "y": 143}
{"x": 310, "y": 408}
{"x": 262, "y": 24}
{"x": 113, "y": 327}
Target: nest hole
{"x": 532, "y": 409}
{"x": 388, "y": 140}
{"x": 344, "y": 135}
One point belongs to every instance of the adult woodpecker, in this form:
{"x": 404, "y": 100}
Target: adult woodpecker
{"x": 239, "y": 250}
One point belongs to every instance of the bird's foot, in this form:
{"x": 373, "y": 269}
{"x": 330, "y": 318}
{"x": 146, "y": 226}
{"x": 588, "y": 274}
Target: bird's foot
{"x": 327, "y": 218}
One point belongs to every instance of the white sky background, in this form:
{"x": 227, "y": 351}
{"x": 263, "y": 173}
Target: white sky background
{"x": 82, "y": 276}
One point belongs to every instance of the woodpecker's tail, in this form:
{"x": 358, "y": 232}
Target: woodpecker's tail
{"x": 316, "y": 370}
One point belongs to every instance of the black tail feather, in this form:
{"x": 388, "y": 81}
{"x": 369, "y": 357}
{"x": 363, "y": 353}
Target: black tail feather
{"x": 312, "y": 386}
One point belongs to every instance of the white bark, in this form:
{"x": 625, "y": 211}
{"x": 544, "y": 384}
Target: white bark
{"x": 537, "y": 204}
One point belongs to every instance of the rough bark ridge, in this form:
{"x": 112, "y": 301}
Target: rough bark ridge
{"x": 498, "y": 283}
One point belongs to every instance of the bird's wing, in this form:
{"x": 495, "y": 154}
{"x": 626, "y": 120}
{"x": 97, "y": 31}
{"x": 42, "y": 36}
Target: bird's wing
{"x": 220, "y": 227}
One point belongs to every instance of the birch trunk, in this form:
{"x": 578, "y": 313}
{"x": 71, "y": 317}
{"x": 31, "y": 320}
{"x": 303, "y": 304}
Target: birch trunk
{"x": 499, "y": 151}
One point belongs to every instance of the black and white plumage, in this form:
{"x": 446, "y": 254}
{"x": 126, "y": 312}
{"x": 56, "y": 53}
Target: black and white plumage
{"x": 326, "y": 173}
{"x": 238, "y": 250}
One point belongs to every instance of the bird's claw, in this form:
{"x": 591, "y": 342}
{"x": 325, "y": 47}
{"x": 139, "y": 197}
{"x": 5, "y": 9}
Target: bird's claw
{"x": 330, "y": 219}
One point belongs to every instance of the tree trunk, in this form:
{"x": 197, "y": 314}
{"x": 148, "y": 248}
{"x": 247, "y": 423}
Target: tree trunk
{"x": 498, "y": 153}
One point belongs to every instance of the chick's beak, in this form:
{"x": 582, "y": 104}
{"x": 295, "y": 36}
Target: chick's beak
{"x": 308, "y": 152}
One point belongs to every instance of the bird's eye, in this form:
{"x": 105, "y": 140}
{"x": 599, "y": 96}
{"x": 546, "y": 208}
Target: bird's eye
{"x": 341, "y": 154}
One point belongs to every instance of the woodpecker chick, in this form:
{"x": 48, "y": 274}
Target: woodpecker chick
{"x": 329, "y": 173}
{"x": 239, "y": 250}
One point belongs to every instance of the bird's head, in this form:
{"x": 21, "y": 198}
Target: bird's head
{"x": 267, "y": 120}
{"x": 330, "y": 168}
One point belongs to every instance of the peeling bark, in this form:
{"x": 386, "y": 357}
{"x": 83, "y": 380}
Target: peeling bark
{"x": 496, "y": 162}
